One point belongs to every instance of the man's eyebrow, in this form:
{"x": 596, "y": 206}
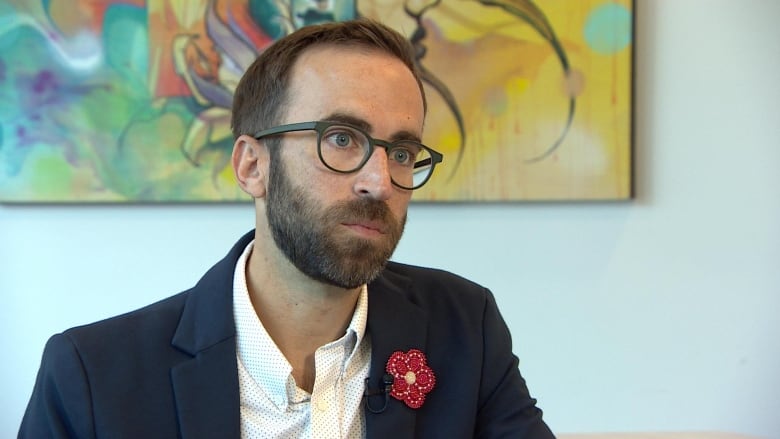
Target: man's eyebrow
{"x": 365, "y": 126}
{"x": 349, "y": 120}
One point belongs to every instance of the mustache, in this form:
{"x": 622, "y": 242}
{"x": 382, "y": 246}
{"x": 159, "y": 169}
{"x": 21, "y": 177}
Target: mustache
{"x": 363, "y": 209}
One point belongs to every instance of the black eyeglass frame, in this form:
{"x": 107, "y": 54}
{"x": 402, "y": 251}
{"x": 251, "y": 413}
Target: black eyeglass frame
{"x": 320, "y": 126}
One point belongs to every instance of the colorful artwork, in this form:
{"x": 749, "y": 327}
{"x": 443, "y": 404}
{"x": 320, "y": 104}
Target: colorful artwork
{"x": 129, "y": 100}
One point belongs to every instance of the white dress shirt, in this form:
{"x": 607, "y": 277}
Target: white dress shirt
{"x": 272, "y": 405}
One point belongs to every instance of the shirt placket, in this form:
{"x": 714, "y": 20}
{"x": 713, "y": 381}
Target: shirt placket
{"x": 326, "y": 398}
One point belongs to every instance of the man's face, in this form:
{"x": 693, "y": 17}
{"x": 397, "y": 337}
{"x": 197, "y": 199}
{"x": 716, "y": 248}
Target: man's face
{"x": 336, "y": 228}
{"x": 303, "y": 229}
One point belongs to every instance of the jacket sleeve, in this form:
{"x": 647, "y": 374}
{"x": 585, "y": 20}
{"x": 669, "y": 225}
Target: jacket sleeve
{"x": 506, "y": 409}
{"x": 60, "y": 406}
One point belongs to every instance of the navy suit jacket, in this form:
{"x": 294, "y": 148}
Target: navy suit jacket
{"x": 169, "y": 370}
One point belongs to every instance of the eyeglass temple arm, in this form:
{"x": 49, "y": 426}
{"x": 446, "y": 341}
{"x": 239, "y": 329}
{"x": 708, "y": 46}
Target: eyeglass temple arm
{"x": 421, "y": 163}
{"x": 430, "y": 161}
{"x": 302, "y": 126}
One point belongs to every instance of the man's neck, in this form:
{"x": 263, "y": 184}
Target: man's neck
{"x": 299, "y": 313}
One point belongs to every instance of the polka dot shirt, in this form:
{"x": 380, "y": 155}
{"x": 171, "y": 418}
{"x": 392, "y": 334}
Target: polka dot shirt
{"x": 272, "y": 405}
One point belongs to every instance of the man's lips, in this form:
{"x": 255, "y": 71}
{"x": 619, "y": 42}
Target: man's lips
{"x": 370, "y": 227}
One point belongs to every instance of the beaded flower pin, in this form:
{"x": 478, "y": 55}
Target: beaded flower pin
{"x": 412, "y": 378}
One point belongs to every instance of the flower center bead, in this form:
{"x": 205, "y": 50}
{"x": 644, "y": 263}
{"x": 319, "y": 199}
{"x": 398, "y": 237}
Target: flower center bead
{"x": 410, "y": 377}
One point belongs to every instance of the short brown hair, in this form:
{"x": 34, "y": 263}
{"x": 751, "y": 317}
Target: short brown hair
{"x": 261, "y": 94}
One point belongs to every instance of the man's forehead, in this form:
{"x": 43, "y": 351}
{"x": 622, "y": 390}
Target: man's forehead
{"x": 322, "y": 83}
{"x": 328, "y": 51}
{"x": 320, "y": 63}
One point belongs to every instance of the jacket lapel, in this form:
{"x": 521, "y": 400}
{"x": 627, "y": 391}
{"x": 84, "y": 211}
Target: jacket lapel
{"x": 206, "y": 390}
{"x": 394, "y": 324}
{"x": 206, "y": 386}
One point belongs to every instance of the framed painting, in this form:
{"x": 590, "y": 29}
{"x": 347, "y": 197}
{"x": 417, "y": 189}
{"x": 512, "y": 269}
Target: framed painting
{"x": 129, "y": 100}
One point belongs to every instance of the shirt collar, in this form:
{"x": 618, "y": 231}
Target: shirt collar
{"x": 258, "y": 353}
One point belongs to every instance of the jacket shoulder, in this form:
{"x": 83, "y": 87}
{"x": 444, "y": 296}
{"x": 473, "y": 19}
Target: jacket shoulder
{"x": 137, "y": 327}
{"x": 433, "y": 279}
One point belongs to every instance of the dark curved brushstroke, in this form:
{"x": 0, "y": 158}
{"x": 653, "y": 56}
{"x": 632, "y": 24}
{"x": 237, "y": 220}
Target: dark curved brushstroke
{"x": 429, "y": 78}
{"x": 531, "y": 14}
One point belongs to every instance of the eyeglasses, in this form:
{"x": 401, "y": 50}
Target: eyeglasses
{"x": 344, "y": 148}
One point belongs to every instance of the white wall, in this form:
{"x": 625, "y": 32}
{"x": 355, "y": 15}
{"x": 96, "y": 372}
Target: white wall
{"x": 655, "y": 314}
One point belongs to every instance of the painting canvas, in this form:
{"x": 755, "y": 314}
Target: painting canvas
{"x": 129, "y": 100}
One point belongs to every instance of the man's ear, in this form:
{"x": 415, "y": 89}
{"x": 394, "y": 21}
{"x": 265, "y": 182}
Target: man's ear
{"x": 250, "y": 165}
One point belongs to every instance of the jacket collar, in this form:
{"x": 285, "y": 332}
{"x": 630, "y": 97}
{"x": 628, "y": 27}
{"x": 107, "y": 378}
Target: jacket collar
{"x": 206, "y": 386}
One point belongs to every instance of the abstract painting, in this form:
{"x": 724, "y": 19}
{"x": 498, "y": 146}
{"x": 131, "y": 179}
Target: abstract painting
{"x": 127, "y": 101}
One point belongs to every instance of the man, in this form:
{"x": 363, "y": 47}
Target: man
{"x": 305, "y": 329}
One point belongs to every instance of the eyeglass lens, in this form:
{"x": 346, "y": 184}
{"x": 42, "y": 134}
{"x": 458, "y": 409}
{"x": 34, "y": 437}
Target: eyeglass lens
{"x": 346, "y": 149}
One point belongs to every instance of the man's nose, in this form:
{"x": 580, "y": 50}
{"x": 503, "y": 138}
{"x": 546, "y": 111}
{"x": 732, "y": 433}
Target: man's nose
{"x": 373, "y": 179}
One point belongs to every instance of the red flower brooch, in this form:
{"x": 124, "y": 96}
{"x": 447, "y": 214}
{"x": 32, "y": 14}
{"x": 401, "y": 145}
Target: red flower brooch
{"x": 412, "y": 378}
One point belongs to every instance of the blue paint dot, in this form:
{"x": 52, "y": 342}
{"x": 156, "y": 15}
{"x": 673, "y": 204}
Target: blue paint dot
{"x": 608, "y": 28}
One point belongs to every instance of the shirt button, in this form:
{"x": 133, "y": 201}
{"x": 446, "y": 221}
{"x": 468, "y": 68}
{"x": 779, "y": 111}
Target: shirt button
{"x": 322, "y": 405}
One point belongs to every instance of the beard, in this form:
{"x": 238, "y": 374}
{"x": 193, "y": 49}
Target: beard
{"x": 307, "y": 233}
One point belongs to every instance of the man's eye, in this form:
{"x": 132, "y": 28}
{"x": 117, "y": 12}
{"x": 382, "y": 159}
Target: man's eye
{"x": 401, "y": 156}
{"x": 341, "y": 139}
